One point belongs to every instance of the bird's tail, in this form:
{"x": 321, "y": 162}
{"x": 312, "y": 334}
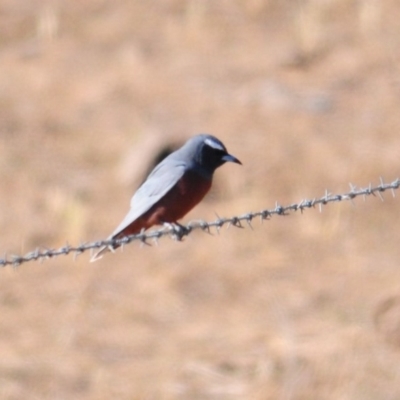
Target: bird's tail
{"x": 101, "y": 252}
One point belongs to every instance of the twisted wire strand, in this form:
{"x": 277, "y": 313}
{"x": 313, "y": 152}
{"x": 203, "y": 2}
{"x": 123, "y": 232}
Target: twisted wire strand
{"x": 179, "y": 232}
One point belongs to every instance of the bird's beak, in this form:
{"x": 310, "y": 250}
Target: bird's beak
{"x": 229, "y": 158}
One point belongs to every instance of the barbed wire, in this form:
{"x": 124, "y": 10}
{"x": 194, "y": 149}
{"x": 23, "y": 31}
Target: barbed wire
{"x": 178, "y": 232}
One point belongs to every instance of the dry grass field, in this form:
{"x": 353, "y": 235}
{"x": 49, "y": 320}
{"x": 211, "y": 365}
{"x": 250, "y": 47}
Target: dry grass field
{"x": 306, "y": 94}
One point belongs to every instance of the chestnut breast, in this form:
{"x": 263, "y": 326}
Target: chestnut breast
{"x": 183, "y": 196}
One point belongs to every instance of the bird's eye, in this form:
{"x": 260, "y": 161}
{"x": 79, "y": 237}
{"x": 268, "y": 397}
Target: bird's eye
{"x": 219, "y": 152}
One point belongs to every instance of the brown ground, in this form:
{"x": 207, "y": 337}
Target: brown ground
{"x": 306, "y": 94}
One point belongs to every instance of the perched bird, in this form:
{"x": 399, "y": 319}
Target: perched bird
{"x": 173, "y": 188}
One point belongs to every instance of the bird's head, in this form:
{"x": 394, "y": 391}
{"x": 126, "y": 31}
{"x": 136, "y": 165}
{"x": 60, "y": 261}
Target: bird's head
{"x": 209, "y": 153}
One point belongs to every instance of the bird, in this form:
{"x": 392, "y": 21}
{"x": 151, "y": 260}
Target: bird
{"x": 175, "y": 185}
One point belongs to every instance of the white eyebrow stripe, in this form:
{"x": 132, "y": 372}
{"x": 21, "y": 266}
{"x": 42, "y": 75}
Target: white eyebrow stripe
{"x": 213, "y": 144}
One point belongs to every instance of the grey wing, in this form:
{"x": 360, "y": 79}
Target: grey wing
{"x": 159, "y": 182}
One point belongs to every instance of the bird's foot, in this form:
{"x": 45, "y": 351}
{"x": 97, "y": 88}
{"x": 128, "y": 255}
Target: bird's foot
{"x": 178, "y": 231}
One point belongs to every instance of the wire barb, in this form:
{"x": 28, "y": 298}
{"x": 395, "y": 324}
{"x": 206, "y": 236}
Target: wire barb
{"x": 178, "y": 232}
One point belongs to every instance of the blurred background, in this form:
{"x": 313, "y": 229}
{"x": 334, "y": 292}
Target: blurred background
{"x": 306, "y": 94}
